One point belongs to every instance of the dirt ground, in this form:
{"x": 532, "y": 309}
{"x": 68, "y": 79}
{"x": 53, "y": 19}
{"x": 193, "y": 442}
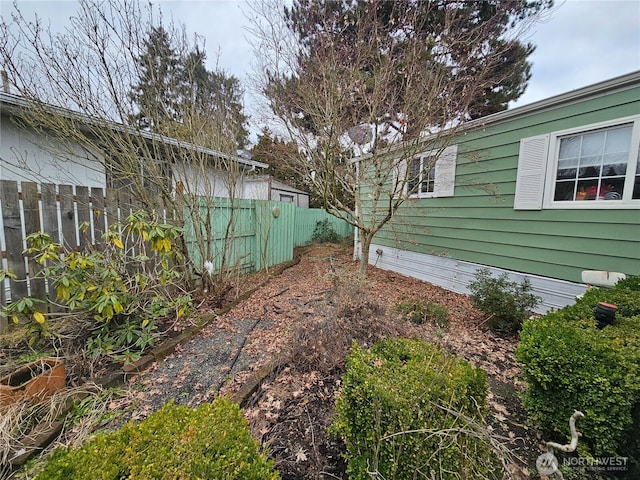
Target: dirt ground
{"x": 309, "y": 316}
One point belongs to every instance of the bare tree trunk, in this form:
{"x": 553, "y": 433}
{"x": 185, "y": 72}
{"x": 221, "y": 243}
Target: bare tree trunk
{"x": 365, "y": 246}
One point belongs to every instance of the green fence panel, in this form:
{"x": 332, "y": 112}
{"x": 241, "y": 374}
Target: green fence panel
{"x": 231, "y": 229}
{"x": 275, "y": 227}
{"x": 250, "y": 235}
{"x": 342, "y": 227}
{"x": 306, "y": 220}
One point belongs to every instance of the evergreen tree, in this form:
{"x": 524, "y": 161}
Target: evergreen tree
{"x": 176, "y": 95}
{"x": 273, "y": 151}
{"x": 209, "y": 95}
{"x": 156, "y": 94}
{"x": 402, "y": 21}
{"x": 226, "y": 92}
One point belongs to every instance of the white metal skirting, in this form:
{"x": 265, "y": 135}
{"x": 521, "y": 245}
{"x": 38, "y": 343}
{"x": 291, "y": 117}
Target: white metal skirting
{"x": 455, "y": 275}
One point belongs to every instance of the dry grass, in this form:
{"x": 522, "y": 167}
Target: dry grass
{"x": 81, "y": 410}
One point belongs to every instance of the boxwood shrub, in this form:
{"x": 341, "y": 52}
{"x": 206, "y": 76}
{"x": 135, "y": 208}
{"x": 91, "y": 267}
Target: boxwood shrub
{"x": 569, "y": 364}
{"x": 408, "y": 410}
{"x": 176, "y": 442}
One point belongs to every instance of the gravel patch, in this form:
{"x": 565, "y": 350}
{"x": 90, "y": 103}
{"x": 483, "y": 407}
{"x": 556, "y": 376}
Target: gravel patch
{"x": 195, "y": 372}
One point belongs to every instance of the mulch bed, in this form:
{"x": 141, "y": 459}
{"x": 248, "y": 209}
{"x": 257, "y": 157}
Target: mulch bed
{"x": 290, "y": 412}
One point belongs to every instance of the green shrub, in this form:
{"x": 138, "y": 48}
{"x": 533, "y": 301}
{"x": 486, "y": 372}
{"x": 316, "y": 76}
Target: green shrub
{"x": 324, "y": 232}
{"x": 419, "y": 311}
{"x": 569, "y": 365}
{"x": 406, "y": 407}
{"x": 176, "y": 442}
{"x": 632, "y": 283}
{"x": 507, "y": 303}
{"x": 124, "y": 286}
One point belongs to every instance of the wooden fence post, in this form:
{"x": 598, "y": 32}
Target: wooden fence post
{"x": 98, "y": 210}
{"x": 31, "y": 213}
{"x": 84, "y": 217}
{"x": 11, "y": 220}
{"x": 68, "y": 217}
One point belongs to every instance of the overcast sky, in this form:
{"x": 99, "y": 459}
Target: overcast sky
{"x": 579, "y": 43}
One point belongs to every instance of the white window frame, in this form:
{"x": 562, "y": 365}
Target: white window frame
{"x": 538, "y": 166}
{"x": 444, "y": 175}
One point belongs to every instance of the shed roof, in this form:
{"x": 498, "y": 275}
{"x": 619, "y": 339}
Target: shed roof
{"x": 280, "y": 184}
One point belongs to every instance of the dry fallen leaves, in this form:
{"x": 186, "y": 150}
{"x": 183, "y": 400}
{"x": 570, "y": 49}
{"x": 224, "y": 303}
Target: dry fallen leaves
{"x": 306, "y": 294}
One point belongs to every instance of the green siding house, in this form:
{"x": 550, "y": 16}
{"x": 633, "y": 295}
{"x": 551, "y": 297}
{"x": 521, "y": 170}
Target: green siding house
{"x": 544, "y": 192}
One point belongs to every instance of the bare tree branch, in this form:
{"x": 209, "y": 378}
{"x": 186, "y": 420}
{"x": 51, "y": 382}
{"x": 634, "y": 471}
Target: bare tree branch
{"x": 411, "y": 83}
{"x": 76, "y": 86}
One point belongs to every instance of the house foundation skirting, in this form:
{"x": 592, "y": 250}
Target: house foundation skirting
{"x": 455, "y": 275}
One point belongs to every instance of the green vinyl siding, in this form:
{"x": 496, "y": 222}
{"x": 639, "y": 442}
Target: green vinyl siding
{"x": 489, "y": 228}
{"x": 479, "y": 223}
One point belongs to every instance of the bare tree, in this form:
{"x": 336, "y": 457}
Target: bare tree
{"x": 361, "y": 110}
{"x": 76, "y": 86}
